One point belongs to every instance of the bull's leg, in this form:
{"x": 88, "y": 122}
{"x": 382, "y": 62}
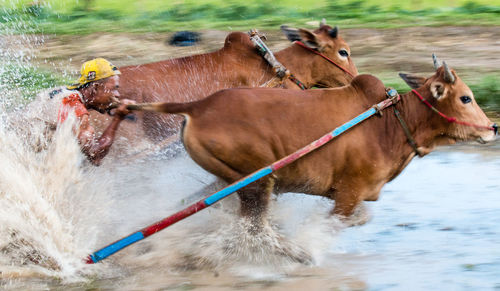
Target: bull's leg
{"x": 347, "y": 197}
{"x": 255, "y": 202}
{"x": 348, "y": 203}
{"x": 344, "y": 206}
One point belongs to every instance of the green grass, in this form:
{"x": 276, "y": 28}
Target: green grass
{"x": 487, "y": 92}
{"x": 130, "y": 7}
{"x": 75, "y": 17}
{"x": 29, "y": 80}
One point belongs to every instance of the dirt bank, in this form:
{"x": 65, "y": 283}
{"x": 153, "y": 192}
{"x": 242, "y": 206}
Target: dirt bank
{"x": 470, "y": 50}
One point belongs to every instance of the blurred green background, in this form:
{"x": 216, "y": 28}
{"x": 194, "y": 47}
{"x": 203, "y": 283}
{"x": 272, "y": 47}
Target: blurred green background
{"x": 82, "y": 17}
{"x": 87, "y": 16}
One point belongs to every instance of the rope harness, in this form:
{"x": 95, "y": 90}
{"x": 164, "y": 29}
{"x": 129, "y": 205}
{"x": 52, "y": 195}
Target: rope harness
{"x": 394, "y": 97}
{"x": 407, "y": 132}
{"x": 297, "y": 82}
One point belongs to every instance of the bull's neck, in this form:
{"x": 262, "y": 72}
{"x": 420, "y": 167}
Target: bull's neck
{"x": 422, "y": 123}
{"x": 299, "y": 62}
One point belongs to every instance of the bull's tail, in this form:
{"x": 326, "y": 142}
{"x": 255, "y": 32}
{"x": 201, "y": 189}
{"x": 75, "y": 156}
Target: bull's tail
{"x": 161, "y": 107}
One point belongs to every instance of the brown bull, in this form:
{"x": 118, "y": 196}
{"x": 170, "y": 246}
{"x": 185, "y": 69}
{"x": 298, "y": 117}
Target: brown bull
{"x": 237, "y": 64}
{"x": 235, "y": 132}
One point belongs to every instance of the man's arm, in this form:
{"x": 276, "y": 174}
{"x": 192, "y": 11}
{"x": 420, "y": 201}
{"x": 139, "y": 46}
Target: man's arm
{"x": 97, "y": 148}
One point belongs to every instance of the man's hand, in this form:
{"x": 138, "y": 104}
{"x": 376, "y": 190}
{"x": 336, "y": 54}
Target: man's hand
{"x": 97, "y": 149}
{"x": 122, "y": 110}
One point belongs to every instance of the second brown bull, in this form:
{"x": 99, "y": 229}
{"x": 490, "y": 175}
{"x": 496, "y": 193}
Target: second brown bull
{"x": 236, "y": 64}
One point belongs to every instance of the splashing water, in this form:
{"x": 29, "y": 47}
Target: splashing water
{"x": 48, "y": 198}
{"x": 216, "y": 238}
{"x": 48, "y": 202}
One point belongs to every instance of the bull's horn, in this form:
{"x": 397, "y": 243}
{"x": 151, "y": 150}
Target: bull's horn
{"x": 333, "y": 32}
{"x": 323, "y": 22}
{"x": 436, "y": 62}
{"x": 448, "y": 75}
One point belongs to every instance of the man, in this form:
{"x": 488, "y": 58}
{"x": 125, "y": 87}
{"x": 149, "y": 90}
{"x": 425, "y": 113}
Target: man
{"x": 97, "y": 88}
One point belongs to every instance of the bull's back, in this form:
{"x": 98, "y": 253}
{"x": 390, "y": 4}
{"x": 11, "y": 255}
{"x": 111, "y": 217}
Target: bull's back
{"x": 194, "y": 77}
{"x": 176, "y": 80}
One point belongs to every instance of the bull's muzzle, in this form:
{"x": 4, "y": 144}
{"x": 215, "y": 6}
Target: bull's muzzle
{"x": 495, "y": 128}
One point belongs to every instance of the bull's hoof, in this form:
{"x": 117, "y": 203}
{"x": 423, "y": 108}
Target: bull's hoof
{"x": 263, "y": 237}
{"x": 360, "y": 216}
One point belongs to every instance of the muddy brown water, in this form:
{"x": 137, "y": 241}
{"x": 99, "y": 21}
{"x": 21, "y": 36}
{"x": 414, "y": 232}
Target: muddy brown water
{"x": 435, "y": 226}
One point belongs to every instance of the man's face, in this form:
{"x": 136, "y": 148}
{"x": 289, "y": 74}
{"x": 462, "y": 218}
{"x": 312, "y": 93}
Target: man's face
{"x": 105, "y": 93}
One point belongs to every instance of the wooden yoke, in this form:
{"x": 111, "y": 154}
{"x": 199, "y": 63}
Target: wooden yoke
{"x": 282, "y": 73}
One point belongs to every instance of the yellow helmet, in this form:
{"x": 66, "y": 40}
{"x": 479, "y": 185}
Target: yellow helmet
{"x": 94, "y": 70}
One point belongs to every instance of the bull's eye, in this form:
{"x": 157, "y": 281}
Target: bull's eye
{"x": 465, "y": 99}
{"x": 343, "y": 53}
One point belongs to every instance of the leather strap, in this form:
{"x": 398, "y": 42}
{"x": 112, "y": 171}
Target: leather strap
{"x": 407, "y": 132}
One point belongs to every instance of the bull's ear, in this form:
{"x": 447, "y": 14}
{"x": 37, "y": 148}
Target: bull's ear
{"x": 438, "y": 90}
{"x": 413, "y": 81}
{"x": 291, "y": 33}
{"x": 309, "y": 38}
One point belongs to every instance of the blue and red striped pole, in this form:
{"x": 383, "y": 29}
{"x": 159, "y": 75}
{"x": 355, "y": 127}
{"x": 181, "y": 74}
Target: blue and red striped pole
{"x": 192, "y": 209}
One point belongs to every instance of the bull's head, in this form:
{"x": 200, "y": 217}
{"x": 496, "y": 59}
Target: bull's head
{"x": 451, "y": 96}
{"x": 327, "y": 41}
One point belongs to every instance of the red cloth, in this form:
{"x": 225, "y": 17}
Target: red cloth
{"x": 71, "y": 103}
